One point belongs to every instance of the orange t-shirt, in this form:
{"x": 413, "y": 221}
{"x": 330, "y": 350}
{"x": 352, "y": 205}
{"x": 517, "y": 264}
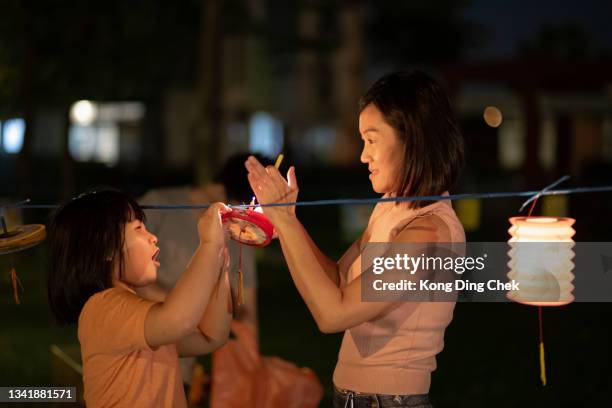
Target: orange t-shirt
{"x": 119, "y": 368}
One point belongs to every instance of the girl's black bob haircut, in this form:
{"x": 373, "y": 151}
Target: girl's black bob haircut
{"x": 419, "y": 111}
{"x": 86, "y": 237}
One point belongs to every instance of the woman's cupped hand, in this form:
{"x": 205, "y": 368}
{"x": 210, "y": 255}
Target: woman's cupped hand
{"x": 270, "y": 187}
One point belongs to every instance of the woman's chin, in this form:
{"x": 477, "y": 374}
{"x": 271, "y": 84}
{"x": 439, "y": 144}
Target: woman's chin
{"x": 377, "y": 188}
{"x": 383, "y": 190}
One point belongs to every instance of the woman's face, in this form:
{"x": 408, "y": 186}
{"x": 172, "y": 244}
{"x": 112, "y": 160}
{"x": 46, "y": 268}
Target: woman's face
{"x": 382, "y": 150}
{"x": 140, "y": 254}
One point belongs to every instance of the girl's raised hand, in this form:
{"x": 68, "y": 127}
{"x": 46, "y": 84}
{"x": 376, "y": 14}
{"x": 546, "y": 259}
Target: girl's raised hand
{"x": 270, "y": 187}
{"x": 210, "y": 228}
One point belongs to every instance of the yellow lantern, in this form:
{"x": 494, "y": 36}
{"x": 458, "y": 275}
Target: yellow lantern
{"x": 543, "y": 270}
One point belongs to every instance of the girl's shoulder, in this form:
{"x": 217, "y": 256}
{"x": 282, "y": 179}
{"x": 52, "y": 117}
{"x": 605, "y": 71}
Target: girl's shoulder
{"x": 113, "y": 293}
{"x": 113, "y": 321}
{"x": 108, "y": 302}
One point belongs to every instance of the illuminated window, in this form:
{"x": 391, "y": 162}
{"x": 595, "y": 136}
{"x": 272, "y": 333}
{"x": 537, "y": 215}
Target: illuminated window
{"x": 321, "y": 141}
{"x": 83, "y": 113}
{"x": 511, "y": 147}
{"x": 265, "y": 134}
{"x": 96, "y": 131}
{"x": 82, "y": 142}
{"x": 547, "y": 149}
{"x": 107, "y": 145}
{"x": 13, "y": 132}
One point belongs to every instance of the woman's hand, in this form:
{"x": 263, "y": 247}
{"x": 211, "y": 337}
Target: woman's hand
{"x": 210, "y": 228}
{"x": 270, "y": 187}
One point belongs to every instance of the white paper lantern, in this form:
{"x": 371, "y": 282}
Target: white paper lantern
{"x": 541, "y": 253}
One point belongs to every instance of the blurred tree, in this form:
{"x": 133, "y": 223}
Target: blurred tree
{"x": 562, "y": 42}
{"x": 100, "y": 49}
{"x": 414, "y": 32}
{"x": 335, "y": 42}
{"x": 53, "y": 53}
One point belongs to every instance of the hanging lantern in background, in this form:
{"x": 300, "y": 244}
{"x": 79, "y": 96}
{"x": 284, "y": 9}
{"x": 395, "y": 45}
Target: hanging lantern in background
{"x": 541, "y": 253}
{"x": 18, "y": 239}
{"x": 543, "y": 269}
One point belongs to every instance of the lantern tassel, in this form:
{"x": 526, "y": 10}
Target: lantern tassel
{"x": 240, "y": 297}
{"x": 542, "y": 355}
{"x": 542, "y": 364}
{"x": 16, "y": 285}
{"x": 199, "y": 382}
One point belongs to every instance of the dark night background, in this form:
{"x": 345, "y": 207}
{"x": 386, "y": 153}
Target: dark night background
{"x": 177, "y": 87}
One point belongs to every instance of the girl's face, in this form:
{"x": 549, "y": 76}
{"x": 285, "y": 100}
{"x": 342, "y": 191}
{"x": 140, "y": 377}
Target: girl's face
{"x": 382, "y": 150}
{"x": 140, "y": 254}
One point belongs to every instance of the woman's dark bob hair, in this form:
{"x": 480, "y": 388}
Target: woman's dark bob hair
{"x": 419, "y": 111}
{"x": 86, "y": 239}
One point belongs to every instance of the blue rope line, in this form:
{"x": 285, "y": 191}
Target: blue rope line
{"x": 359, "y": 201}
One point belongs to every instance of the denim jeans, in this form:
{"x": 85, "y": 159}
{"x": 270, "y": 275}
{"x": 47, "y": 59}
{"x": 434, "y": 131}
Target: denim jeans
{"x": 350, "y": 399}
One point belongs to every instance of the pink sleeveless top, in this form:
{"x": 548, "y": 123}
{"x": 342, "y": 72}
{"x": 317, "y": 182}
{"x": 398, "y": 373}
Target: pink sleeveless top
{"x": 394, "y": 353}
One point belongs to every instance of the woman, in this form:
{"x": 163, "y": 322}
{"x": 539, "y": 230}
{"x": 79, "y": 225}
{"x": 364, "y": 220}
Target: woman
{"x": 412, "y": 148}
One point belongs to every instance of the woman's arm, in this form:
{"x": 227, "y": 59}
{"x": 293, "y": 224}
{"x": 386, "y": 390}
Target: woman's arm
{"x": 280, "y": 190}
{"x": 326, "y": 264}
{"x": 335, "y": 309}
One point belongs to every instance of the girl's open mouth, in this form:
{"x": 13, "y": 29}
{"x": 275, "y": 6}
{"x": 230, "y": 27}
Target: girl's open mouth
{"x": 154, "y": 258}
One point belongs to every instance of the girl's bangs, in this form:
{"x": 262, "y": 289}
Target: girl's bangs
{"x": 134, "y": 211}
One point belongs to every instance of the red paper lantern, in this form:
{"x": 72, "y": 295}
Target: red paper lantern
{"x": 248, "y": 227}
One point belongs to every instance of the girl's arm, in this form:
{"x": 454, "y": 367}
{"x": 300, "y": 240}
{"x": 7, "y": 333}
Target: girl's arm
{"x": 180, "y": 314}
{"x": 214, "y": 327}
{"x": 212, "y": 331}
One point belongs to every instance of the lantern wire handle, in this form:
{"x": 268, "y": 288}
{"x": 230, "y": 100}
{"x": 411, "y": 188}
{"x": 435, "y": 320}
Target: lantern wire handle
{"x": 549, "y": 187}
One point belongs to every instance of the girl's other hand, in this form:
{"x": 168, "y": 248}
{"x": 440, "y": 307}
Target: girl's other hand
{"x": 210, "y": 228}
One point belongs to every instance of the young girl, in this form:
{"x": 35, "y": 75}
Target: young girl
{"x": 412, "y": 147}
{"x": 102, "y": 261}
